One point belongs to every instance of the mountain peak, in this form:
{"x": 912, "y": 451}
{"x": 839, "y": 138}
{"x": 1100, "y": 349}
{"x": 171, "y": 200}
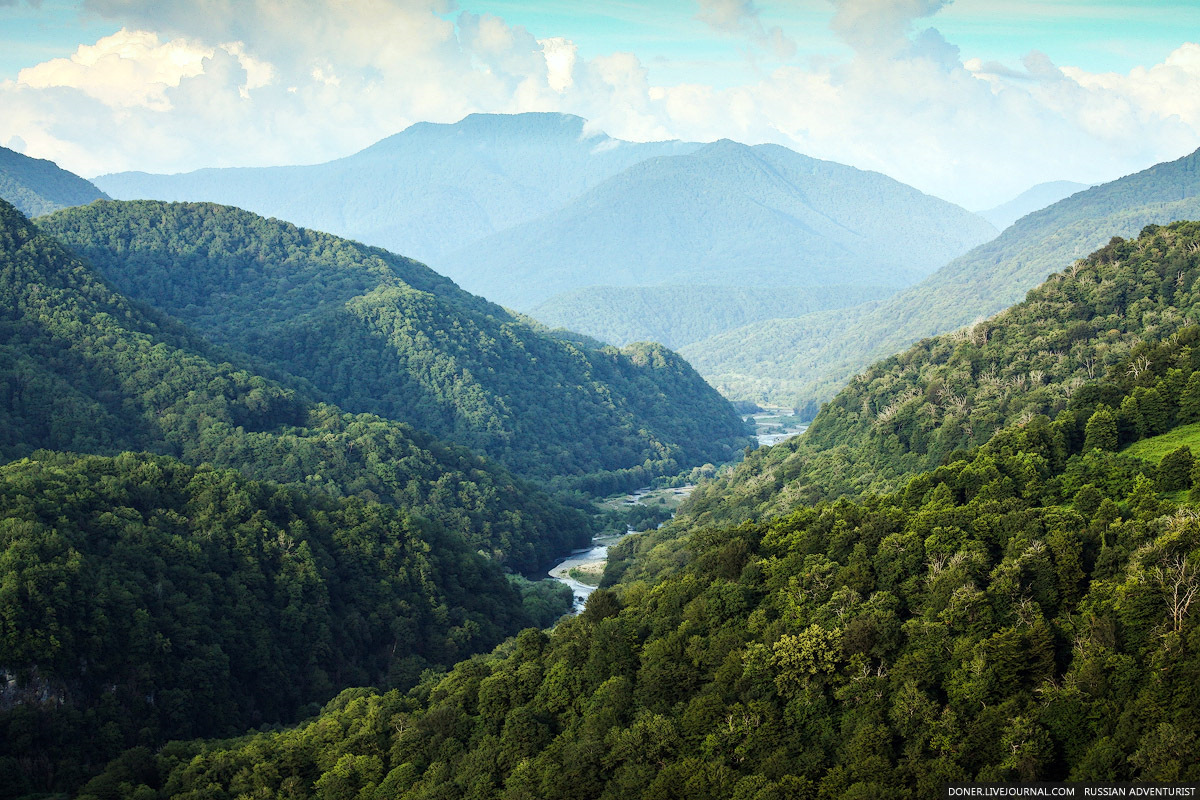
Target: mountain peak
{"x": 533, "y": 127}
{"x": 37, "y": 186}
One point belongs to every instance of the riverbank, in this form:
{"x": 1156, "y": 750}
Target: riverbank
{"x": 591, "y": 560}
{"x": 775, "y": 425}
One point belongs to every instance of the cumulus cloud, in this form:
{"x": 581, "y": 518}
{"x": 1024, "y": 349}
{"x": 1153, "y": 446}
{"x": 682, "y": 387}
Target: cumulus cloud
{"x": 880, "y": 28}
{"x": 133, "y": 68}
{"x": 742, "y": 17}
{"x": 192, "y": 85}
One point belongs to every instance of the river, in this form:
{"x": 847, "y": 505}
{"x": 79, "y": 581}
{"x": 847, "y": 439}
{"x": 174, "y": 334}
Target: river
{"x": 775, "y": 425}
{"x": 596, "y": 555}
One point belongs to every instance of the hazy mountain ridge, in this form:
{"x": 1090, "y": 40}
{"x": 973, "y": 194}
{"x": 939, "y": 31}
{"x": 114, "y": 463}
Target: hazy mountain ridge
{"x": 516, "y": 207}
{"x": 36, "y": 186}
{"x": 727, "y": 214}
{"x": 379, "y": 333}
{"x": 423, "y": 191}
{"x": 680, "y": 315}
{"x": 1033, "y": 199}
{"x": 811, "y": 358}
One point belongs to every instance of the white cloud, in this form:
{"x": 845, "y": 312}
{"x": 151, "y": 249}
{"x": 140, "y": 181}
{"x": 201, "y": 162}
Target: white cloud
{"x": 311, "y": 80}
{"x": 561, "y": 57}
{"x": 742, "y": 17}
{"x": 129, "y": 68}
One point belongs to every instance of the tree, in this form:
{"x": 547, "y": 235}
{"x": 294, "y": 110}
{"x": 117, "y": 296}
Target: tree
{"x": 1189, "y": 400}
{"x": 1175, "y": 470}
{"x": 1101, "y": 430}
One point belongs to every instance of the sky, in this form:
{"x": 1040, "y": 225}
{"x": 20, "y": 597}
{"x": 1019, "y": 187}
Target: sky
{"x": 971, "y": 100}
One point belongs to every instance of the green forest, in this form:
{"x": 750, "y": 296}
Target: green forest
{"x": 1014, "y": 599}
{"x": 1081, "y": 339}
{"x": 84, "y": 369}
{"x": 377, "y": 333}
{"x": 143, "y": 600}
{"x": 1024, "y": 612}
{"x": 267, "y": 497}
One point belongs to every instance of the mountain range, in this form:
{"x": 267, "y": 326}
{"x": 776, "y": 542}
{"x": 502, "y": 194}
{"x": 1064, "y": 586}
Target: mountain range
{"x": 424, "y": 191}
{"x": 374, "y": 332}
{"x": 725, "y": 215}
{"x": 521, "y": 207}
{"x": 1021, "y": 613}
{"x": 793, "y": 361}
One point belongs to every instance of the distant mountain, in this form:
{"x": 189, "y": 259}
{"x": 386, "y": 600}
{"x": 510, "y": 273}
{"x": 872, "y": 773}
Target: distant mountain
{"x": 84, "y": 369}
{"x": 426, "y": 190}
{"x": 375, "y": 332}
{"x": 1030, "y": 200}
{"x": 36, "y": 186}
{"x": 813, "y": 356}
{"x": 727, "y": 215}
{"x": 520, "y": 208}
{"x": 680, "y": 315}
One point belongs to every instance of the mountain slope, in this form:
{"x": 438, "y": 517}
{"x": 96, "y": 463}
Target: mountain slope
{"x": 1086, "y": 336}
{"x": 143, "y": 601}
{"x": 36, "y": 186}
{"x": 811, "y": 358}
{"x": 378, "y": 333}
{"x": 1033, "y": 199}
{"x": 83, "y": 368}
{"x": 1015, "y": 616}
{"x": 725, "y": 215}
{"x": 679, "y": 315}
{"x": 425, "y": 190}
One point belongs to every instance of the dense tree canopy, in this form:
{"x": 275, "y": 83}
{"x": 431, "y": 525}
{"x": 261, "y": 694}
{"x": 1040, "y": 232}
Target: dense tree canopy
{"x": 143, "y": 600}
{"x": 374, "y": 332}
{"x": 82, "y": 368}
{"x": 985, "y": 623}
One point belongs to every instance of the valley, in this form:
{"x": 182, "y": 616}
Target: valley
{"x": 680, "y": 470}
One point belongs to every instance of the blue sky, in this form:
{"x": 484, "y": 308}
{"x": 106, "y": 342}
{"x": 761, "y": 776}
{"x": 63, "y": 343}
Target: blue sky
{"x": 1096, "y": 35}
{"x": 973, "y": 100}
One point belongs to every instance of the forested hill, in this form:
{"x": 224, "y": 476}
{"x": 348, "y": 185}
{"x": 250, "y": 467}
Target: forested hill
{"x": 374, "y": 332}
{"x": 1092, "y": 325}
{"x": 808, "y": 358}
{"x": 1023, "y": 613}
{"x": 36, "y": 186}
{"x": 144, "y": 601}
{"x": 426, "y": 190}
{"x": 84, "y": 369}
{"x": 727, "y": 214}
